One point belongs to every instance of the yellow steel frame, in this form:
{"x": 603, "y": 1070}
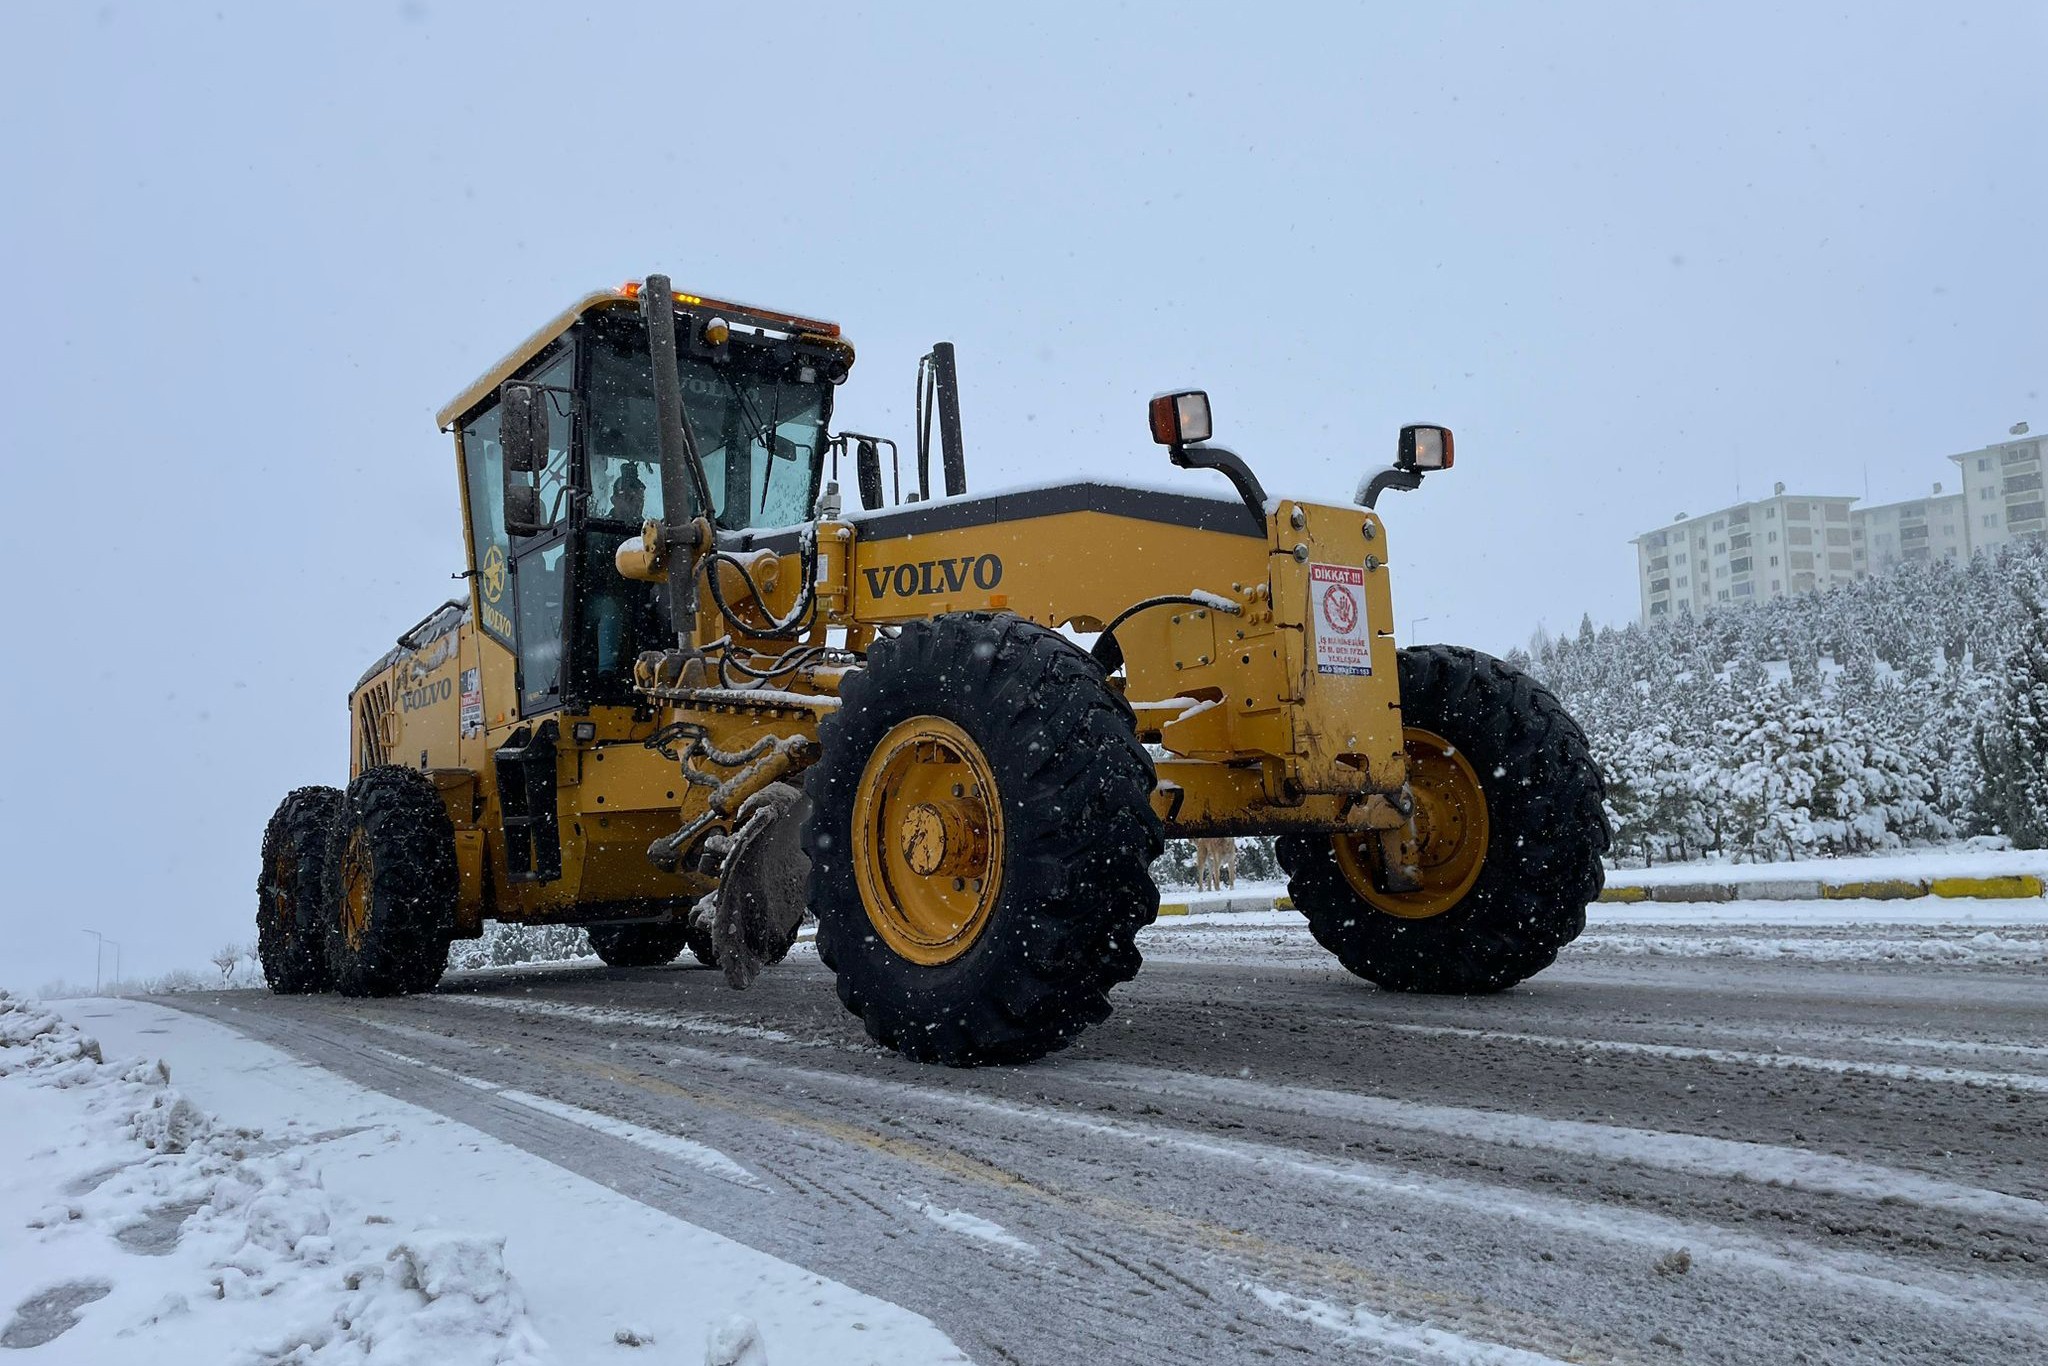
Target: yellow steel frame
{"x": 1257, "y": 737}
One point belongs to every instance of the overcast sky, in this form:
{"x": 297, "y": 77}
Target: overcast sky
{"x": 1639, "y": 257}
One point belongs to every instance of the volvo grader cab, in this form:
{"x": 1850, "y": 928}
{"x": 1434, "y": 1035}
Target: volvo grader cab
{"x": 689, "y": 696}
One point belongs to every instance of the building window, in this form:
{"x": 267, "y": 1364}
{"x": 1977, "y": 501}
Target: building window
{"x": 1658, "y": 609}
{"x": 1719, "y": 522}
{"x": 1774, "y": 585}
{"x": 1991, "y": 519}
{"x": 1679, "y": 558}
{"x": 1740, "y": 566}
{"x": 1683, "y": 580}
{"x": 1745, "y": 590}
{"x": 1770, "y": 514}
{"x": 1836, "y": 512}
{"x": 1983, "y": 463}
{"x": 1774, "y": 561}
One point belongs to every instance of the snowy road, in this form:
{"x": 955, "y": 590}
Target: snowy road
{"x": 1683, "y": 1143}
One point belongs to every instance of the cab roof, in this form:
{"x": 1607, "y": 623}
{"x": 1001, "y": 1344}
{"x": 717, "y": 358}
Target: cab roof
{"x": 625, "y": 296}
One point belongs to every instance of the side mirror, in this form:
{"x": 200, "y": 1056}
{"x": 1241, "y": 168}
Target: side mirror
{"x": 1424, "y": 448}
{"x": 867, "y": 465}
{"x": 523, "y": 426}
{"x": 523, "y": 514}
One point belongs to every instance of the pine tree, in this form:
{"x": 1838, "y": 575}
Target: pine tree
{"x": 2013, "y": 744}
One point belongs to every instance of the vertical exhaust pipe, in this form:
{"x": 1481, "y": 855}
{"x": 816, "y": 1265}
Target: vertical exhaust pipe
{"x": 938, "y": 387}
{"x": 947, "y": 376}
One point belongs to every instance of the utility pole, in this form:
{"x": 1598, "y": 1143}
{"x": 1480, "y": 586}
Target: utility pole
{"x": 99, "y": 945}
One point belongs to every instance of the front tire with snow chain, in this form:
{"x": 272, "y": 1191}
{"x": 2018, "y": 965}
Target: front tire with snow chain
{"x": 1496, "y": 763}
{"x": 389, "y": 885}
{"x": 980, "y": 841}
{"x": 290, "y": 938}
{"x": 638, "y": 946}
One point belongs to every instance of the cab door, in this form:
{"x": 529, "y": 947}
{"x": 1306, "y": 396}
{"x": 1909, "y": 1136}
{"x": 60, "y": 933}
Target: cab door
{"x": 521, "y": 596}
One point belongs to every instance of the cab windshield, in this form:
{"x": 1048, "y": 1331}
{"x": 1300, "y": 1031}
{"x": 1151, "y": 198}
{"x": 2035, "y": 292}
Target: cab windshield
{"x": 758, "y": 432}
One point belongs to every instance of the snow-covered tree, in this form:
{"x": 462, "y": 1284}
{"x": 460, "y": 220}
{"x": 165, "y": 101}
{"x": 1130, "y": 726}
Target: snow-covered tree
{"x": 2013, "y": 744}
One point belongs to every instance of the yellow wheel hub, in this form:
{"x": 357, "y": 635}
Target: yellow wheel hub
{"x": 1451, "y": 833}
{"x": 928, "y": 840}
{"x": 355, "y": 889}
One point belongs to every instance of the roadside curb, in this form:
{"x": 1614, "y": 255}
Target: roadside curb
{"x": 2015, "y": 886}
{"x": 1227, "y": 905}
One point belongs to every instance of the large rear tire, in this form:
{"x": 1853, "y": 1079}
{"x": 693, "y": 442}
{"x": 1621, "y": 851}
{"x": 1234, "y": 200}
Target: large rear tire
{"x": 1510, "y": 809}
{"x": 638, "y": 946}
{"x": 290, "y": 941}
{"x": 980, "y": 841}
{"x": 389, "y": 885}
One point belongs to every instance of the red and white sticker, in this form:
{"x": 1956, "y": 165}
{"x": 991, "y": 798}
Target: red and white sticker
{"x": 1343, "y": 636}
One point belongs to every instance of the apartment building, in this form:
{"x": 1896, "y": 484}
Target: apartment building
{"x": 2002, "y": 490}
{"x": 1802, "y": 544}
{"x": 1932, "y": 528}
{"x": 1787, "y": 543}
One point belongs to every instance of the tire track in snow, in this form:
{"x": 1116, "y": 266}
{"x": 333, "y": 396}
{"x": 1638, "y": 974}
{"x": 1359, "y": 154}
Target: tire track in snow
{"x": 1890, "y": 1071}
{"x": 1729, "y": 1159}
{"x": 687, "y": 1151}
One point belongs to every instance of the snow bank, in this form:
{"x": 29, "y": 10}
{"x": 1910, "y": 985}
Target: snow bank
{"x": 205, "y": 1242}
{"x": 1918, "y": 864}
{"x": 601, "y": 1276}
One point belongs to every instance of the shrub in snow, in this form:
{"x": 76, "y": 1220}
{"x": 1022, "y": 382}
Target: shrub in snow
{"x": 504, "y": 946}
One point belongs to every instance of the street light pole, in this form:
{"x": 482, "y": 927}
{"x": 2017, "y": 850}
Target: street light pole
{"x": 1414, "y": 622}
{"x": 117, "y": 963}
{"x": 99, "y": 946}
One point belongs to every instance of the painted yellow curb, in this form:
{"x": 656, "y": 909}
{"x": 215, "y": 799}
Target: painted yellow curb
{"x": 1883, "y": 889}
{"x": 1173, "y": 908}
{"x": 2021, "y": 884}
{"x": 1283, "y": 903}
{"x": 1624, "y": 893}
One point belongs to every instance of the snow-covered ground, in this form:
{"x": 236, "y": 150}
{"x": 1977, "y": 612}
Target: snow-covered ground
{"x": 1994, "y": 934}
{"x": 232, "y": 1203}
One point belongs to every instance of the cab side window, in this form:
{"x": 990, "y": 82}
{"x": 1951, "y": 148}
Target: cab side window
{"x": 483, "y": 461}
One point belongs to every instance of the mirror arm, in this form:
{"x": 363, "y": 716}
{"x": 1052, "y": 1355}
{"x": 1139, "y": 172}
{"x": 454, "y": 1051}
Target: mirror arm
{"x": 1233, "y": 468}
{"x": 1393, "y": 477}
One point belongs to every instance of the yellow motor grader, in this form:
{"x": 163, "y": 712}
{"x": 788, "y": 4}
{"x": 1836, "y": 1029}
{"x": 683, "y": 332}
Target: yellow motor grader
{"x": 689, "y": 695}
